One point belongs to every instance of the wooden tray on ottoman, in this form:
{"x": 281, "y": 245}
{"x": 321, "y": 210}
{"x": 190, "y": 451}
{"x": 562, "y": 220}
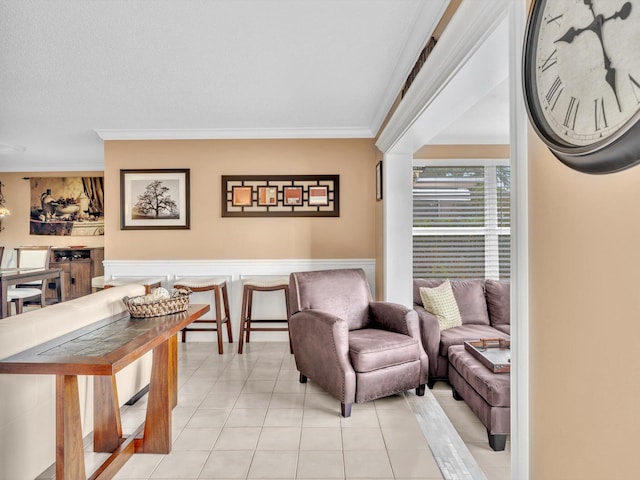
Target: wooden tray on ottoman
{"x": 493, "y": 353}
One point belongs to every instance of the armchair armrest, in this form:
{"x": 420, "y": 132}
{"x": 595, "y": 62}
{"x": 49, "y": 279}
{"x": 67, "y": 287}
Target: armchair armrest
{"x": 400, "y": 319}
{"x": 395, "y": 318}
{"x": 430, "y": 334}
{"x": 320, "y": 344}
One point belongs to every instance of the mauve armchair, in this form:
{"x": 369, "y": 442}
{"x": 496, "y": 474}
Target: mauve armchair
{"x": 355, "y": 349}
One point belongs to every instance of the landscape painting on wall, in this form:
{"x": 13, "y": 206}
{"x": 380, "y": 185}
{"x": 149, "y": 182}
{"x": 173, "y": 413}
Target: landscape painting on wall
{"x": 67, "y": 206}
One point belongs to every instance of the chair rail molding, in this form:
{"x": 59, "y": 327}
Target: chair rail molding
{"x": 271, "y": 305}
{"x": 234, "y": 267}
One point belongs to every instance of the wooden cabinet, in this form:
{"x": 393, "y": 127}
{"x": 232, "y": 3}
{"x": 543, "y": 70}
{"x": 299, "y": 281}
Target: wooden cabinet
{"x": 80, "y": 265}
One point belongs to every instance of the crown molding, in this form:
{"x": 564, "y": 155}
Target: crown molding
{"x": 232, "y": 134}
{"x": 468, "y": 28}
{"x": 424, "y": 25}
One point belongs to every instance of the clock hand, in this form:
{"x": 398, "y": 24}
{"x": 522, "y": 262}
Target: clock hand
{"x": 596, "y": 27}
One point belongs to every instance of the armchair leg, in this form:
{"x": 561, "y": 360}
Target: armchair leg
{"x": 420, "y": 390}
{"x": 430, "y": 383}
{"x": 345, "y": 409}
{"x": 303, "y": 378}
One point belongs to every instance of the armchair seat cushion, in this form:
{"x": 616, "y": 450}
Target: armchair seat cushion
{"x": 464, "y": 333}
{"x": 372, "y": 349}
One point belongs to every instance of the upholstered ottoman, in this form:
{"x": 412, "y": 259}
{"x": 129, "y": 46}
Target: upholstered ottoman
{"x": 486, "y": 393}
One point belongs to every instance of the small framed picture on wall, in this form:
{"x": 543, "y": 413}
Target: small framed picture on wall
{"x": 318, "y": 195}
{"x": 293, "y": 195}
{"x": 154, "y": 199}
{"x": 379, "y": 180}
{"x": 241, "y": 196}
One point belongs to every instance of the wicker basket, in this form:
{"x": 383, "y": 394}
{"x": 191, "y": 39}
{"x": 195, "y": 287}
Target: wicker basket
{"x": 138, "y": 308}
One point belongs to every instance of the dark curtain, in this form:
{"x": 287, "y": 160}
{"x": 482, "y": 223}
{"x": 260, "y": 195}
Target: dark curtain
{"x": 94, "y": 189}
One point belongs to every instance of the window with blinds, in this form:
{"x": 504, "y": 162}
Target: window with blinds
{"x": 461, "y": 221}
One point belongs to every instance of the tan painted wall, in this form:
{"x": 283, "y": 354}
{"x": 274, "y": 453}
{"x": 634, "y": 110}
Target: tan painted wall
{"x": 352, "y": 235}
{"x": 584, "y": 322}
{"x": 17, "y": 194}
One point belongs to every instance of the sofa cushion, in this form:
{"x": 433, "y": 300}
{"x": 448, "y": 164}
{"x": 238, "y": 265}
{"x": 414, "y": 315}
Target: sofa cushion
{"x": 440, "y": 302}
{"x": 498, "y": 301}
{"x": 471, "y": 301}
{"x": 371, "y": 349}
{"x": 459, "y": 335}
{"x": 503, "y": 328}
{"x": 469, "y": 295}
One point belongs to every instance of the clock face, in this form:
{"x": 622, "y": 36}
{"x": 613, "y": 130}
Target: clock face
{"x": 582, "y": 73}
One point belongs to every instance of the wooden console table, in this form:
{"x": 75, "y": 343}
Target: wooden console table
{"x": 102, "y": 349}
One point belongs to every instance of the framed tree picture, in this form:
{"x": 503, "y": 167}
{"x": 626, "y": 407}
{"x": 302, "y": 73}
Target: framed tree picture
{"x": 154, "y": 199}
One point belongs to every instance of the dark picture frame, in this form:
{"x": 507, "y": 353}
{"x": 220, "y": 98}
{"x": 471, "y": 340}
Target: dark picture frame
{"x": 155, "y": 199}
{"x": 318, "y": 195}
{"x": 242, "y": 196}
{"x": 280, "y": 196}
{"x": 267, "y": 196}
{"x": 292, "y": 196}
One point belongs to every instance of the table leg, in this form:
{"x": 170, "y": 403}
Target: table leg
{"x": 173, "y": 376}
{"x": 60, "y": 287}
{"x": 157, "y": 427}
{"x": 4, "y": 308}
{"x": 69, "y": 447}
{"x": 107, "y": 426}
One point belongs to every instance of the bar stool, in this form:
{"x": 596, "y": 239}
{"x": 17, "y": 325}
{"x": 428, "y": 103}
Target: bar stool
{"x": 219, "y": 287}
{"x": 256, "y": 284}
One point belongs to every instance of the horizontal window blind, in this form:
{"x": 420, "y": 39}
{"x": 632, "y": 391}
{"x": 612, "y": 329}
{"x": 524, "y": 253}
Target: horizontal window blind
{"x": 448, "y": 256}
{"x": 461, "y": 220}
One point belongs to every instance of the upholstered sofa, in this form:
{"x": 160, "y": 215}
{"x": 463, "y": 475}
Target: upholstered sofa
{"x": 484, "y": 307}
{"x": 27, "y": 402}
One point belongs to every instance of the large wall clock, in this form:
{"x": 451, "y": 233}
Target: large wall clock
{"x": 581, "y": 77}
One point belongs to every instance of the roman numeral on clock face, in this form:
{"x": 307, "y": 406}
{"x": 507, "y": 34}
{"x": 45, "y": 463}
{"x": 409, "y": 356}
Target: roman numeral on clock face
{"x": 599, "y": 116}
{"x": 572, "y": 113}
{"x": 554, "y": 92}
{"x": 635, "y": 88}
{"x": 550, "y": 61}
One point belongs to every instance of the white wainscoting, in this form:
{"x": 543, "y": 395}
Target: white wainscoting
{"x": 266, "y": 304}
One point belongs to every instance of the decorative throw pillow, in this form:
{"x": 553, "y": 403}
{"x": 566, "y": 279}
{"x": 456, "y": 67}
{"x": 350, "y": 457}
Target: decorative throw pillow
{"x": 440, "y": 302}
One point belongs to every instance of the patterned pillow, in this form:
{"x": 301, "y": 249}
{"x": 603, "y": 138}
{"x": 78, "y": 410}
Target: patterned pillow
{"x": 440, "y": 302}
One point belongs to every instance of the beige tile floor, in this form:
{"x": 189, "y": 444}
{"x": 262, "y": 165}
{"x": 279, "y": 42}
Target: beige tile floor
{"x": 495, "y": 465}
{"x": 248, "y": 417}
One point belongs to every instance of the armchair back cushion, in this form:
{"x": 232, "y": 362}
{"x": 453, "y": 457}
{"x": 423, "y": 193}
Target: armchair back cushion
{"x": 343, "y": 293}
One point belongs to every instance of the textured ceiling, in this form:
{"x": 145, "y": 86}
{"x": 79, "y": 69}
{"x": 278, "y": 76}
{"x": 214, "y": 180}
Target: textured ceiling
{"x": 206, "y": 69}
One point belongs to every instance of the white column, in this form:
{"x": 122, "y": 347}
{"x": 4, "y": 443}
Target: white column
{"x": 519, "y": 252}
{"x": 398, "y": 223}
